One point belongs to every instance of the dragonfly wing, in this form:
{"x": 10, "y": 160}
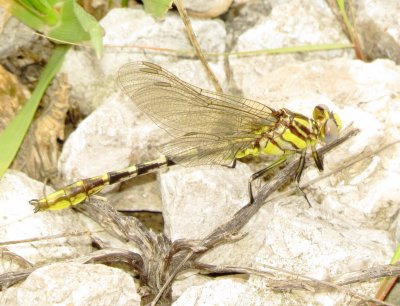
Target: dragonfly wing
{"x": 181, "y": 108}
{"x": 205, "y": 149}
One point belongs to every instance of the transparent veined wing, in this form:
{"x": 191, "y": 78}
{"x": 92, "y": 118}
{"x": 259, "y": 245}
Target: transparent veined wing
{"x": 208, "y": 127}
{"x": 205, "y": 149}
{"x": 181, "y": 108}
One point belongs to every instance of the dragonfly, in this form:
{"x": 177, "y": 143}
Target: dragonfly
{"x": 207, "y": 128}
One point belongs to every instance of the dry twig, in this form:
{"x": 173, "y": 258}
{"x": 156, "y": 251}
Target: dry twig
{"x": 195, "y": 44}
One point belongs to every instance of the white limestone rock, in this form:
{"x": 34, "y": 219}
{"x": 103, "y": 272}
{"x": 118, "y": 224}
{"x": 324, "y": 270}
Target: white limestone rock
{"x": 207, "y": 8}
{"x": 18, "y": 222}
{"x": 128, "y": 33}
{"x": 78, "y": 284}
{"x": 14, "y": 35}
{"x": 291, "y": 23}
{"x": 377, "y": 25}
{"x": 111, "y": 138}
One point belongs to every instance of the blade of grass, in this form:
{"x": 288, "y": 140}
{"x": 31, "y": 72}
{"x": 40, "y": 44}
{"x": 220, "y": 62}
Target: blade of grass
{"x": 283, "y": 50}
{"x": 13, "y": 135}
{"x": 292, "y": 49}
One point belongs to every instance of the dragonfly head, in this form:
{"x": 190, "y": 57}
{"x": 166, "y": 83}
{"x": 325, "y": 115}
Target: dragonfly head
{"x": 329, "y": 123}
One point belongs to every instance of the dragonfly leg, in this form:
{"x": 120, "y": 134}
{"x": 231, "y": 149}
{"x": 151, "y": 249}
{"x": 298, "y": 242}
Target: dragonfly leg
{"x": 319, "y": 159}
{"x": 299, "y": 171}
{"x": 261, "y": 173}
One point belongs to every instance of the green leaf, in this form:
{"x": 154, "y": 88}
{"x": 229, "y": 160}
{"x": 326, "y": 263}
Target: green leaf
{"x": 91, "y": 26}
{"x": 68, "y": 28}
{"x": 157, "y": 8}
{"x": 39, "y": 9}
{"x": 13, "y": 135}
{"x": 27, "y": 15}
{"x": 61, "y": 20}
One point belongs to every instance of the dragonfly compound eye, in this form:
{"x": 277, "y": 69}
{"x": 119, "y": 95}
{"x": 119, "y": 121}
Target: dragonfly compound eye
{"x": 332, "y": 128}
{"x": 329, "y": 122}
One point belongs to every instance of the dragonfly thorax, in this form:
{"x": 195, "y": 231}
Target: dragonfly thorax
{"x": 291, "y": 133}
{"x": 294, "y": 133}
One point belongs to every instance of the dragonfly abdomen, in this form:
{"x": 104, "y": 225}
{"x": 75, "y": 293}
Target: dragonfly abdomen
{"x": 71, "y": 194}
{"x": 81, "y": 190}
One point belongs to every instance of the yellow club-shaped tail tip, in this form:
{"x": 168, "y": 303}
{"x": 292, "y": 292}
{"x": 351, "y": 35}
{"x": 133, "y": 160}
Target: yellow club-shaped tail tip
{"x": 48, "y": 204}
